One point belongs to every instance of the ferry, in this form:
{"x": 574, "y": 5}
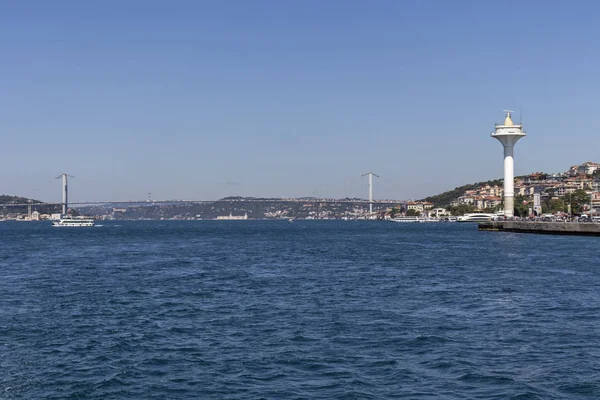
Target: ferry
{"x": 477, "y": 217}
{"x": 74, "y": 221}
{"x": 414, "y": 219}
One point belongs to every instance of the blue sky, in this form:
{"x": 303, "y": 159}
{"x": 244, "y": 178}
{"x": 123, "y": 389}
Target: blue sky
{"x": 200, "y": 100}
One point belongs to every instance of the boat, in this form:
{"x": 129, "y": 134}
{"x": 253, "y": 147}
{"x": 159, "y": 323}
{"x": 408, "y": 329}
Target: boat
{"x": 477, "y": 217}
{"x": 74, "y": 221}
{"x": 232, "y": 217}
{"x": 414, "y": 219}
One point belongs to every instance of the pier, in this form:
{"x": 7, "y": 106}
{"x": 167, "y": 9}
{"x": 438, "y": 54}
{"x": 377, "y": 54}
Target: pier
{"x": 548, "y": 228}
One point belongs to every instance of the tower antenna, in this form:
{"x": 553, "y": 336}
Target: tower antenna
{"x": 521, "y": 116}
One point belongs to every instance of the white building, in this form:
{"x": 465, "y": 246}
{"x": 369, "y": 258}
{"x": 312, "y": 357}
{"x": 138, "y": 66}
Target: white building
{"x": 438, "y": 212}
{"x": 419, "y": 205}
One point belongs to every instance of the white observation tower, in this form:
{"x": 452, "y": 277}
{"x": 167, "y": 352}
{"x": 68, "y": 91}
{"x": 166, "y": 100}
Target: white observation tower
{"x": 508, "y": 134}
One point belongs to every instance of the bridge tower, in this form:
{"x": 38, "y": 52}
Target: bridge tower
{"x": 371, "y": 174}
{"x": 65, "y": 192}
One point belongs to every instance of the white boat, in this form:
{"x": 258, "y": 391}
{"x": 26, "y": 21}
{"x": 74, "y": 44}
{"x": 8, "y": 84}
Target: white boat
{"x": 406, "y": 219}
{"x": 414, "y": 219}
{"x": 477, "y": 217}
{"x": 74, "y": 221}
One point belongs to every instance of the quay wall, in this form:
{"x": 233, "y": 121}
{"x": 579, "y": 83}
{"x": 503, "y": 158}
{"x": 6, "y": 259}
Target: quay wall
{"x": 550, "y": 228}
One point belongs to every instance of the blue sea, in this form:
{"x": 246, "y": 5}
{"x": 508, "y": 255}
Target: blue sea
{"x": 302, "y": 310}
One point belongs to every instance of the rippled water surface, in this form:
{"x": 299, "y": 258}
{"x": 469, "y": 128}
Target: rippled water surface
{"x": 310, "y": 309}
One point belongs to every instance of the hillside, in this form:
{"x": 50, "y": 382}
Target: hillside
{"x": 444, "y": 199}
{"x": 255, "y": 208}
{"x": 6, "y": 199}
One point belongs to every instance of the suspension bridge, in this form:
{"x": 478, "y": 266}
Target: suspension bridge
{"x": 65, "y": 203}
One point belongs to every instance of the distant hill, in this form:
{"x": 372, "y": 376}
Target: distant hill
{"x": 6, "y": 199}
{"x": 444, "y": 199}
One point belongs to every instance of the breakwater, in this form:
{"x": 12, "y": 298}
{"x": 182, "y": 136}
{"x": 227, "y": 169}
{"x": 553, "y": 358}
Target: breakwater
{"x": 549, "y": 228}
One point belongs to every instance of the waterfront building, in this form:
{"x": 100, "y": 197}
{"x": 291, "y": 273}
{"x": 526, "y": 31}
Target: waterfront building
{"x": 489, "y": 190}
{"x": 563, "y": 190}
{"x": 419, "y": 205}
{"x": 580, "y": 182}
{"x": 484, "y": 202}
{"x": 438, "y": 212}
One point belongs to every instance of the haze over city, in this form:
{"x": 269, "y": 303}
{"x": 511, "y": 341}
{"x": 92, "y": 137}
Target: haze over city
{"x": 202, "y": 100}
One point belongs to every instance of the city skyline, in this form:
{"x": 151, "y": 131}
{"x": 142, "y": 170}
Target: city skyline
{"x": 204, "y": 101}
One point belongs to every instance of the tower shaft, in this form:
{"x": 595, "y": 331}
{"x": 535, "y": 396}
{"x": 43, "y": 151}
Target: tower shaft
{"x": 65, "y": 195}
{"x": 370, "y": 193}
{"x": 509, "y": 181}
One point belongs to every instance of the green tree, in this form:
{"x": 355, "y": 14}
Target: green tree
{"x": 394, "y": 212}
{"x": 521, "y": 206}
{"x": 413, "y": 213}
{"x": 462, "y": 209}
{"x": 445, "y": 198}
{"x": 546, "y": 199}
{"x": 578, "y": 200}
{"x": 557, "y": 205}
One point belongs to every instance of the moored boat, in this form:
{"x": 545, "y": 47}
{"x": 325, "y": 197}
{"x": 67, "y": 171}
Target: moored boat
{"x": 414, "y": 219}
{"x": 477, "y": 217}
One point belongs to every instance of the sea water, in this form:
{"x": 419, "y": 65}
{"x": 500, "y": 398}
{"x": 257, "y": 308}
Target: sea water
{"x": 302, "y": 310}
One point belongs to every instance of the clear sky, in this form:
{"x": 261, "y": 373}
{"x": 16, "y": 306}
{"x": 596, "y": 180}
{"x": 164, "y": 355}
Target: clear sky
{"x": 200, "y": 100}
